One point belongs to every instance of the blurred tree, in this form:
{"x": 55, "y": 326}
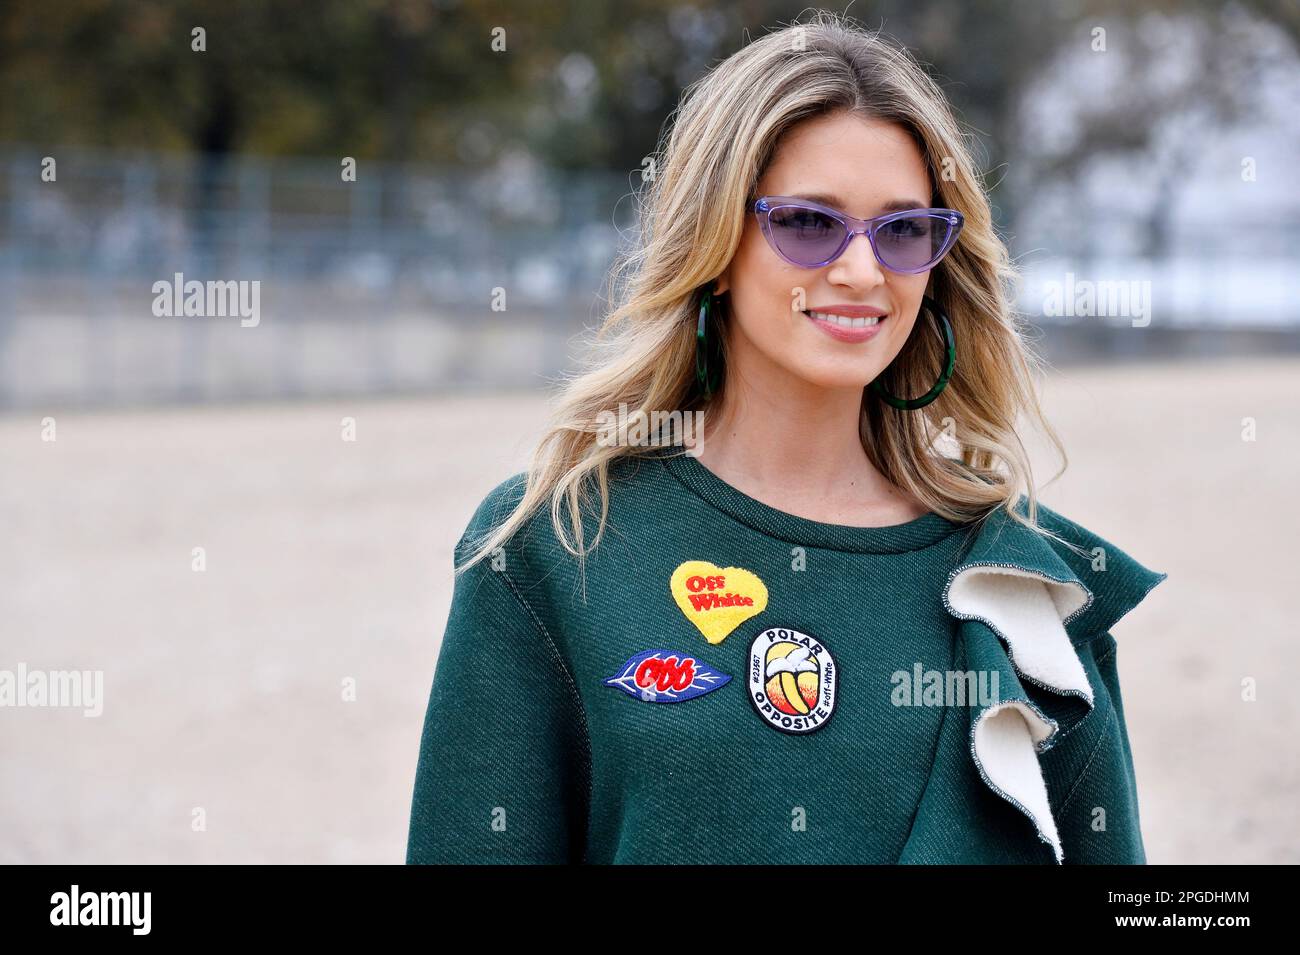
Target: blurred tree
{"x": 581, "y": 85}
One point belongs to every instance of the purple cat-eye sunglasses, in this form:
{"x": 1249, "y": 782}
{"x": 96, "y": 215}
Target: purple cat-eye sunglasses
{"x": 810, "y": 235}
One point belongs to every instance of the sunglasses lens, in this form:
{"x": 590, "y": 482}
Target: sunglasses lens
{"x": 805, "y": 236}
{"x": 913, "y": 242}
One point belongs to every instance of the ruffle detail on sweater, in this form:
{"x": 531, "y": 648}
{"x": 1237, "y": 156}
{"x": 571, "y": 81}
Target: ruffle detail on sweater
{"x": 1026, "y": 603}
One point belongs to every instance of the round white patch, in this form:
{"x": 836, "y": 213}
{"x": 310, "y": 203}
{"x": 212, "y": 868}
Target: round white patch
{"x": 792, "y": 680}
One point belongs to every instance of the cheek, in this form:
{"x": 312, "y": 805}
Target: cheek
{"x": 763, "y": 289}
{"x": 906, "y": 296}
{"x": 900, "y": 333}
{"x": 759, "y": 267}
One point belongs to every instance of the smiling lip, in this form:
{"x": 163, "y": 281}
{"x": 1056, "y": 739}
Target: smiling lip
{"x": 851, "y": 311}
{"x": 843, "y": 334}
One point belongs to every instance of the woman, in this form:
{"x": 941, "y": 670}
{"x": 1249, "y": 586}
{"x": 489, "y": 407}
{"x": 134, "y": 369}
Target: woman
{"x": 832, "y": 630}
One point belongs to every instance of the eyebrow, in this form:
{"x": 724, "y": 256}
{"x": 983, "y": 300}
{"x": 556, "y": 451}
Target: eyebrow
{"x": 825, "y": 199}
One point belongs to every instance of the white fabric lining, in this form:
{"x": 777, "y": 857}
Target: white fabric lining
{"x": 1003, "y": 743}
{"x": 1028, "y": 611}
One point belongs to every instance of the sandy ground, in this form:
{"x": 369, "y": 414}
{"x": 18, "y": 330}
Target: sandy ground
{"x": 226, "y": 737}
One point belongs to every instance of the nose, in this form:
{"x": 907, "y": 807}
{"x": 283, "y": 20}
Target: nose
{"x": 857, "y": 265}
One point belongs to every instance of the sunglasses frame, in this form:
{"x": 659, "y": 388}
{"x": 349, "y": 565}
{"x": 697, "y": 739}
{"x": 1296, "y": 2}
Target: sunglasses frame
{"x": 765, "y": 205}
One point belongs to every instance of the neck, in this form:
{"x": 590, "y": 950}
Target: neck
{"x": 773, "y": 432}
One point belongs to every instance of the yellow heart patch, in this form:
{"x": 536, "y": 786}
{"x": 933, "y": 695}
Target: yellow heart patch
{"x": 717, "y": 599}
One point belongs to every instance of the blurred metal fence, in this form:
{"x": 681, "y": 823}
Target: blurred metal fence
{"x": 447, "y": 232}
{"x": 408, "y": 277}
{"x": 415, "y": 278}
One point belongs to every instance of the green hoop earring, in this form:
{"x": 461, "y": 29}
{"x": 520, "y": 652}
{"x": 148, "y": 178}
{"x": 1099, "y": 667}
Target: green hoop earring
{"x": 704, "y": 375}
{"x": 950, "y": 347}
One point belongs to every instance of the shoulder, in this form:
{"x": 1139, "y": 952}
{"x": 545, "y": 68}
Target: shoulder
{"x": 497, "y": 505}
{"x": 627, "y": 476}
{"x": 492, "y": 510}
{"x": 1092, "y": 581}
{"x": 1117, "y": 580}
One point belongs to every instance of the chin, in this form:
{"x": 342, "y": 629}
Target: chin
{"x": 838, "y": 378}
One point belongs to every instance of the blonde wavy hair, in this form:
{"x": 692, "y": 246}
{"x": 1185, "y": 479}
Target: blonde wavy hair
{"x": 720, "y": 141}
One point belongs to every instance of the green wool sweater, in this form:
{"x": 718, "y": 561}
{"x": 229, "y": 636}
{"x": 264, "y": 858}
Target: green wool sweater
{"x": 729, "y": 683}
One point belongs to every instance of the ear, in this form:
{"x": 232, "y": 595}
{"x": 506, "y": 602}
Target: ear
{"x": 723, "y": 282}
